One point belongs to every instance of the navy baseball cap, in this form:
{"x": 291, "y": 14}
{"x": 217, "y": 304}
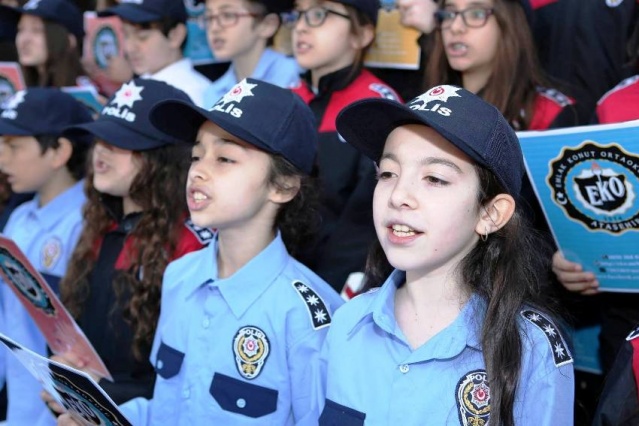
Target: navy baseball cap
{"x": 8, "y": 26}
{"x": 463, "y": 118}
{"x": 124, "y": 120}
{"x": 142, "y": 11}
{"x": 370, "y": 8}
{"x": 41, "y": 111}
{"x": 276, "y": 6}
{"x": 63, "y": 12}
{"x": 269, "y": 117}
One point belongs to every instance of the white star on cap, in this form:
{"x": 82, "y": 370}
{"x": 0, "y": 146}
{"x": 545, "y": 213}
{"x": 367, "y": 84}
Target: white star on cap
{"x": 238, "y": 92}
{"x": 127, "y": 94}
{"x": 439, "y": 93}
{"x": 15, "y": 100}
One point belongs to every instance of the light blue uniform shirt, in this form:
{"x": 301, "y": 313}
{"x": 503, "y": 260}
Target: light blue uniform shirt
{"x": 47, "y": 235}
{"x": 273, "y": 67}
{"x": 373, "y": 377}
{"x": 238, "y": 350}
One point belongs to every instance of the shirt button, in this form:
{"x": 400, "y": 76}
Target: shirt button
{"x": 241, "y": 403}
{"x": 404, "y": 368}
{"x": 206, "y": 322}
{"x": 186, "y": 392}
{"x": 160, "y": 364}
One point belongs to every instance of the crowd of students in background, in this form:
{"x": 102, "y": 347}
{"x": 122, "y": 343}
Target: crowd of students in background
{"x": 243, "y": 199}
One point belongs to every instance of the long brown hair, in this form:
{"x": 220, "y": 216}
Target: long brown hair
{"x": 159, "y": 188}
{"x": 63, "y": 66}
{"x": 512, "y": 87}
{"x": 509, "y": 271}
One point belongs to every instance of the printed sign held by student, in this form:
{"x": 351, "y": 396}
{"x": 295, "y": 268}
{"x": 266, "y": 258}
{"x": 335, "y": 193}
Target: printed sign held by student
{"x": 54, "y": 321}
{"x": 587, "y": 181}
{"x": 75, "y": 390}
{"x": 11, "y": 80}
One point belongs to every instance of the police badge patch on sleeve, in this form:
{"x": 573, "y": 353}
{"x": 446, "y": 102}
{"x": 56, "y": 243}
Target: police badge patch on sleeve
{"x": 316, "y": 307}
{"x": 558, "y": 346}
{"x": 473, "y": 398}
{"x": 251, "y": 348}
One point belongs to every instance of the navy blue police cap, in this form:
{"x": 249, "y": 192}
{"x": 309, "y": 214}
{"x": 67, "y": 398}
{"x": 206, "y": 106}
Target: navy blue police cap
{"x": 42, "y": 111}
{"x": 271, "y": 118}
{"x": 370, "y": 8}
{"x": 142, "y": 11}
{"x": 8, "y": 26}
{"x": 471, "y": 124}
{"x": 63, "y": 12}
{"x": 124, "y": 120}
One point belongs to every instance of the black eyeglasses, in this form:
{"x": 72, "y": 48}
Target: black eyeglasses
{"x": 474, "y": 17}
{"x": 226, "y": 19}
{"x": 314, "y": 16}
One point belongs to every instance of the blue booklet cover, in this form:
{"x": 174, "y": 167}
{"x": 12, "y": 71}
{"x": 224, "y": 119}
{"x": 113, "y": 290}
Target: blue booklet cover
{"x": 587, "y": 181}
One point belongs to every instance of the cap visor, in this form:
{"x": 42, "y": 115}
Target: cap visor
{"x": 178, "y": 119}
{"x": 367, "y": 123}
{"x": 163, "y": 117}
{"x": 131, "y": 13}
{"x": 9, "y": 129}
{"x": 114, "y": 134}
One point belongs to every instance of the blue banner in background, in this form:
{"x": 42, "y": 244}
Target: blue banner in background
{"x": 587, "y": 181}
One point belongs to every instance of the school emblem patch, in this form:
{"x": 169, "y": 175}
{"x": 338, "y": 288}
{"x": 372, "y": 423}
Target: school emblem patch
{"x": 25, "y": 282}
{"x": 473, "y": 398}
{"x": 51, "y": 252}
{"x": 314, "y": 304}
{"x": 559, "y": 349}
{"x": 251, "y": 348}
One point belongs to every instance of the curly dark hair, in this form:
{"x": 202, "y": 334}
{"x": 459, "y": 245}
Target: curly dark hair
{"x": 159, "y": 188}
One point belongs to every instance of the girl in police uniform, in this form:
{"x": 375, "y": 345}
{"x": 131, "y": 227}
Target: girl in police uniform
{"x": 460, "y": 332}
{"x": 241, "y": 321}
{"x": 135, "y": 224}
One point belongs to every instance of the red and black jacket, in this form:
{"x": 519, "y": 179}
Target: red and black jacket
{"x": 347, "y": 178}
{"x": 102, "y": 319}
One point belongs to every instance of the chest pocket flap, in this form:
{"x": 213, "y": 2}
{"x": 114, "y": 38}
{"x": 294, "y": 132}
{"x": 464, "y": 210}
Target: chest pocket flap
{"x": 241, "y": 397}
{"x": 168, "y": 362}
{"x": 335, "y": 414}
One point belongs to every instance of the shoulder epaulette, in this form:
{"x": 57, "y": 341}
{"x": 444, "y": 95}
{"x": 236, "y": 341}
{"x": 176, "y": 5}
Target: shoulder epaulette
{"x": 622, "y": 85}
{"x": 555, "y": 96}
{"x": 560, "y": 352}
{"x": 203, "y": 235}
{"x": 633, "y": 334}
{"x": 384, "y": 91}
{"x": 317, "y": 310}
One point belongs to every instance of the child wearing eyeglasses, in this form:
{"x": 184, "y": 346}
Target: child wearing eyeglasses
{"x": 240, "y": 31}
{"x": 330, "y": 40}
{"x": 487, "y": 48}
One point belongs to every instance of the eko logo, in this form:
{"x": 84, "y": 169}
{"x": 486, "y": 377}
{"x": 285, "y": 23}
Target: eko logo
{"x": 596, "y": 185}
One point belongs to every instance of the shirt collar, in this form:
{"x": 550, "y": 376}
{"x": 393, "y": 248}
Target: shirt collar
{"x": 464, "y": 331}
{"x": 331, "y": 82}
{"x": 58, "y": 208}
{"x": 168, "y": 71}
{"x": 266, "y": 64}
{"x": 242, "y": 289}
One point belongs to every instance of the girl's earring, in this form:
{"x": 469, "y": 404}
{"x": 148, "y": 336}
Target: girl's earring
{"x": 484, "y": 236}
